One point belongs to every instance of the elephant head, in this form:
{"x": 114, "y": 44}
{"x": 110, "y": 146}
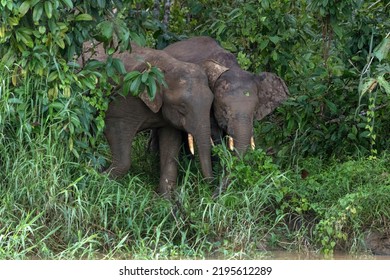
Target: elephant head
{"x": 240, "y": 97}
{"x": 178, "y": 105}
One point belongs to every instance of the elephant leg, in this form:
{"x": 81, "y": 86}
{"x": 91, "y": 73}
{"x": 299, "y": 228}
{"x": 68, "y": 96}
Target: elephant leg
{"x": 119, "y": 135}
{"x": 169, "y": 143}
{"x": 153, "y": 141}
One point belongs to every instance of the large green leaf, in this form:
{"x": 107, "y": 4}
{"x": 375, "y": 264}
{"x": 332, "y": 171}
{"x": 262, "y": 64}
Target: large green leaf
{"x": 105, "y": 31}
{"x": 23, "y": 9}
{"x": 384, "y": 84}
{"x": 382, "y": 50}
{"x": 131, "y": 75}
{"x": 37, "y": 13}
{"x": 48, "y": 9}
{"x": 118, "y": 65}
{"x": 152, "y": 87}
{"x": 84, "y": 17}
{"x": 135, "y": 85}
{"x": 68, "y": 3}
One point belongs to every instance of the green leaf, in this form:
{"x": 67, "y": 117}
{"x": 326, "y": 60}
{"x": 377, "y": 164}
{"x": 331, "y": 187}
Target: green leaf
{"x": 23, "y": 36}
{"x": 60, "y": 42}
{"x": 221, "y": 29}
{"x": 121, "y": 30}
{"x": 131, "y": 75}
{"x": 48, "y": 9}
{"x": 126, "y": 88}
{"x": 274, "y": 55}
{"x": 152, "y": 87}
{"x": 52, "y": 76}
{"x": 84, "y": 17}
{"x": 364, "y": 134}
{"x": 331, "y": 106}
{"x": 139, "y": 39}
{"x": 382, "y": 50}
{"x": 159, "y": 75}
{"x": 144, "y": 76}
{"x": 93, "y": 65}
{"x": 384, "y": 84}
{"x": 264, "y": 44}
{"x": 68, "y": 3}
{"x": 134, "y": 87}
{"x": 89, "y": 82}
{"x": 118, "y": 65}
{"x": 351, "y": 136}
{"x": 23, "y": 9}
{"x": 101, "y": 3}
{"x": 37, "y": 13}
{"x": 34, "y": 2}
{"x": 57, "y": 106}
{"x": 110, "y": 70}
{"x": 105, "y": 30}
{"x": 26, "y": 30}
{"x": 13, "y": 21}
{"x": 110, "y": 51}
{"x": 274, "y": 39}
{"x": 265, "y": 4}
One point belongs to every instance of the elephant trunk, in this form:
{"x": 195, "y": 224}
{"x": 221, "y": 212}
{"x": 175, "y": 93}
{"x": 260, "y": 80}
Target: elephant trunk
{"x": 203, "y": 145}
{"x": 241, "y": 137}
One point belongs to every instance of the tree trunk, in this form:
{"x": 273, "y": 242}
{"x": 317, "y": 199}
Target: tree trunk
{"x": 167, "y": 13}
{"x": 156, "y": 9}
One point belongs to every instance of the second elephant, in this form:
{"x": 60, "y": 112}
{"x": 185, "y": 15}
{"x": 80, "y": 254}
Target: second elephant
{"x": 240, "y": 97}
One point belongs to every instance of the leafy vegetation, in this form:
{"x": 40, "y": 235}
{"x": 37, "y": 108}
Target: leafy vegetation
{"x": 321, "y": 186}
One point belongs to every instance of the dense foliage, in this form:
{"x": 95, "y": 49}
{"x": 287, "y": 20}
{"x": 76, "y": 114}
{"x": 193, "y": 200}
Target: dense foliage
{"x": 322, "y": 184}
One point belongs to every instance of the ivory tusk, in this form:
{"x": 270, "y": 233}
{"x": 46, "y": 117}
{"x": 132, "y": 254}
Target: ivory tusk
{"x": 191, "y": 143}
{"x": 253, "y": 145}
{"x": 231, "y": 143}
{"x": 212, "y": 142}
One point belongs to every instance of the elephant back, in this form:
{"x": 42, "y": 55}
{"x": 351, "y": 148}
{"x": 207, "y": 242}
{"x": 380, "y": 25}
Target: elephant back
{"x": 200, "y": 49}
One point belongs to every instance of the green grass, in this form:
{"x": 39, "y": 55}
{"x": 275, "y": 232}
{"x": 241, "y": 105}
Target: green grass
{"x": 55, "y": 208}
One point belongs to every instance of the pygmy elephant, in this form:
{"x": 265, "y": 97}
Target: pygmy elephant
{"x": 240, "y": 97}
{"x": 184, "y": 105}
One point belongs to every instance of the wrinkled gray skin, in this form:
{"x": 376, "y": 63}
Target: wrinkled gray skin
{"x": 240, "y": 97}
{"x": 183, "y": 106}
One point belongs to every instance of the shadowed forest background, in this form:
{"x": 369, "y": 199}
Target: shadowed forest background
{"x": 318, "y": 180}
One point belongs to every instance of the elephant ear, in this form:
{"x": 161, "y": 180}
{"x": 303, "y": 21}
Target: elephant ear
{"x": 155, "y": 103}
{"x": 272, "y": 91}
{"x": 213, "y": 71}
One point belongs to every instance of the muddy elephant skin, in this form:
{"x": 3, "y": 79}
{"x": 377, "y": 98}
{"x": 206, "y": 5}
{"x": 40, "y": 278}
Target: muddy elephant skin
{"x": 240, "y": 97}
{"x": 183, "y": 106}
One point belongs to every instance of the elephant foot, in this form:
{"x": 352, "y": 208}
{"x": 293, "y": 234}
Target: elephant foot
{"x": 116, "y": 172}
{"x": 166, "y": 188}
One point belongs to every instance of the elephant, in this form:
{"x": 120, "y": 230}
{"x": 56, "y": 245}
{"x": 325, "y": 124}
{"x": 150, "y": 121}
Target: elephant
{"x": 240, "y": 97}
{"x": 184, "y": 105}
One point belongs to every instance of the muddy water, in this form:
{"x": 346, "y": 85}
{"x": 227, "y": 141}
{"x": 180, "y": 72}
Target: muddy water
{"x": 285, "y": 255}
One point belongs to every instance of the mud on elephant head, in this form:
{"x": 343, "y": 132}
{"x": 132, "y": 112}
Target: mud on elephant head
{"x": 240, "y": 97}
{"x": 175, "y": 108}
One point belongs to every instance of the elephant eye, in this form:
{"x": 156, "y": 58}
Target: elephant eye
{"x": 182, "y": 109}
